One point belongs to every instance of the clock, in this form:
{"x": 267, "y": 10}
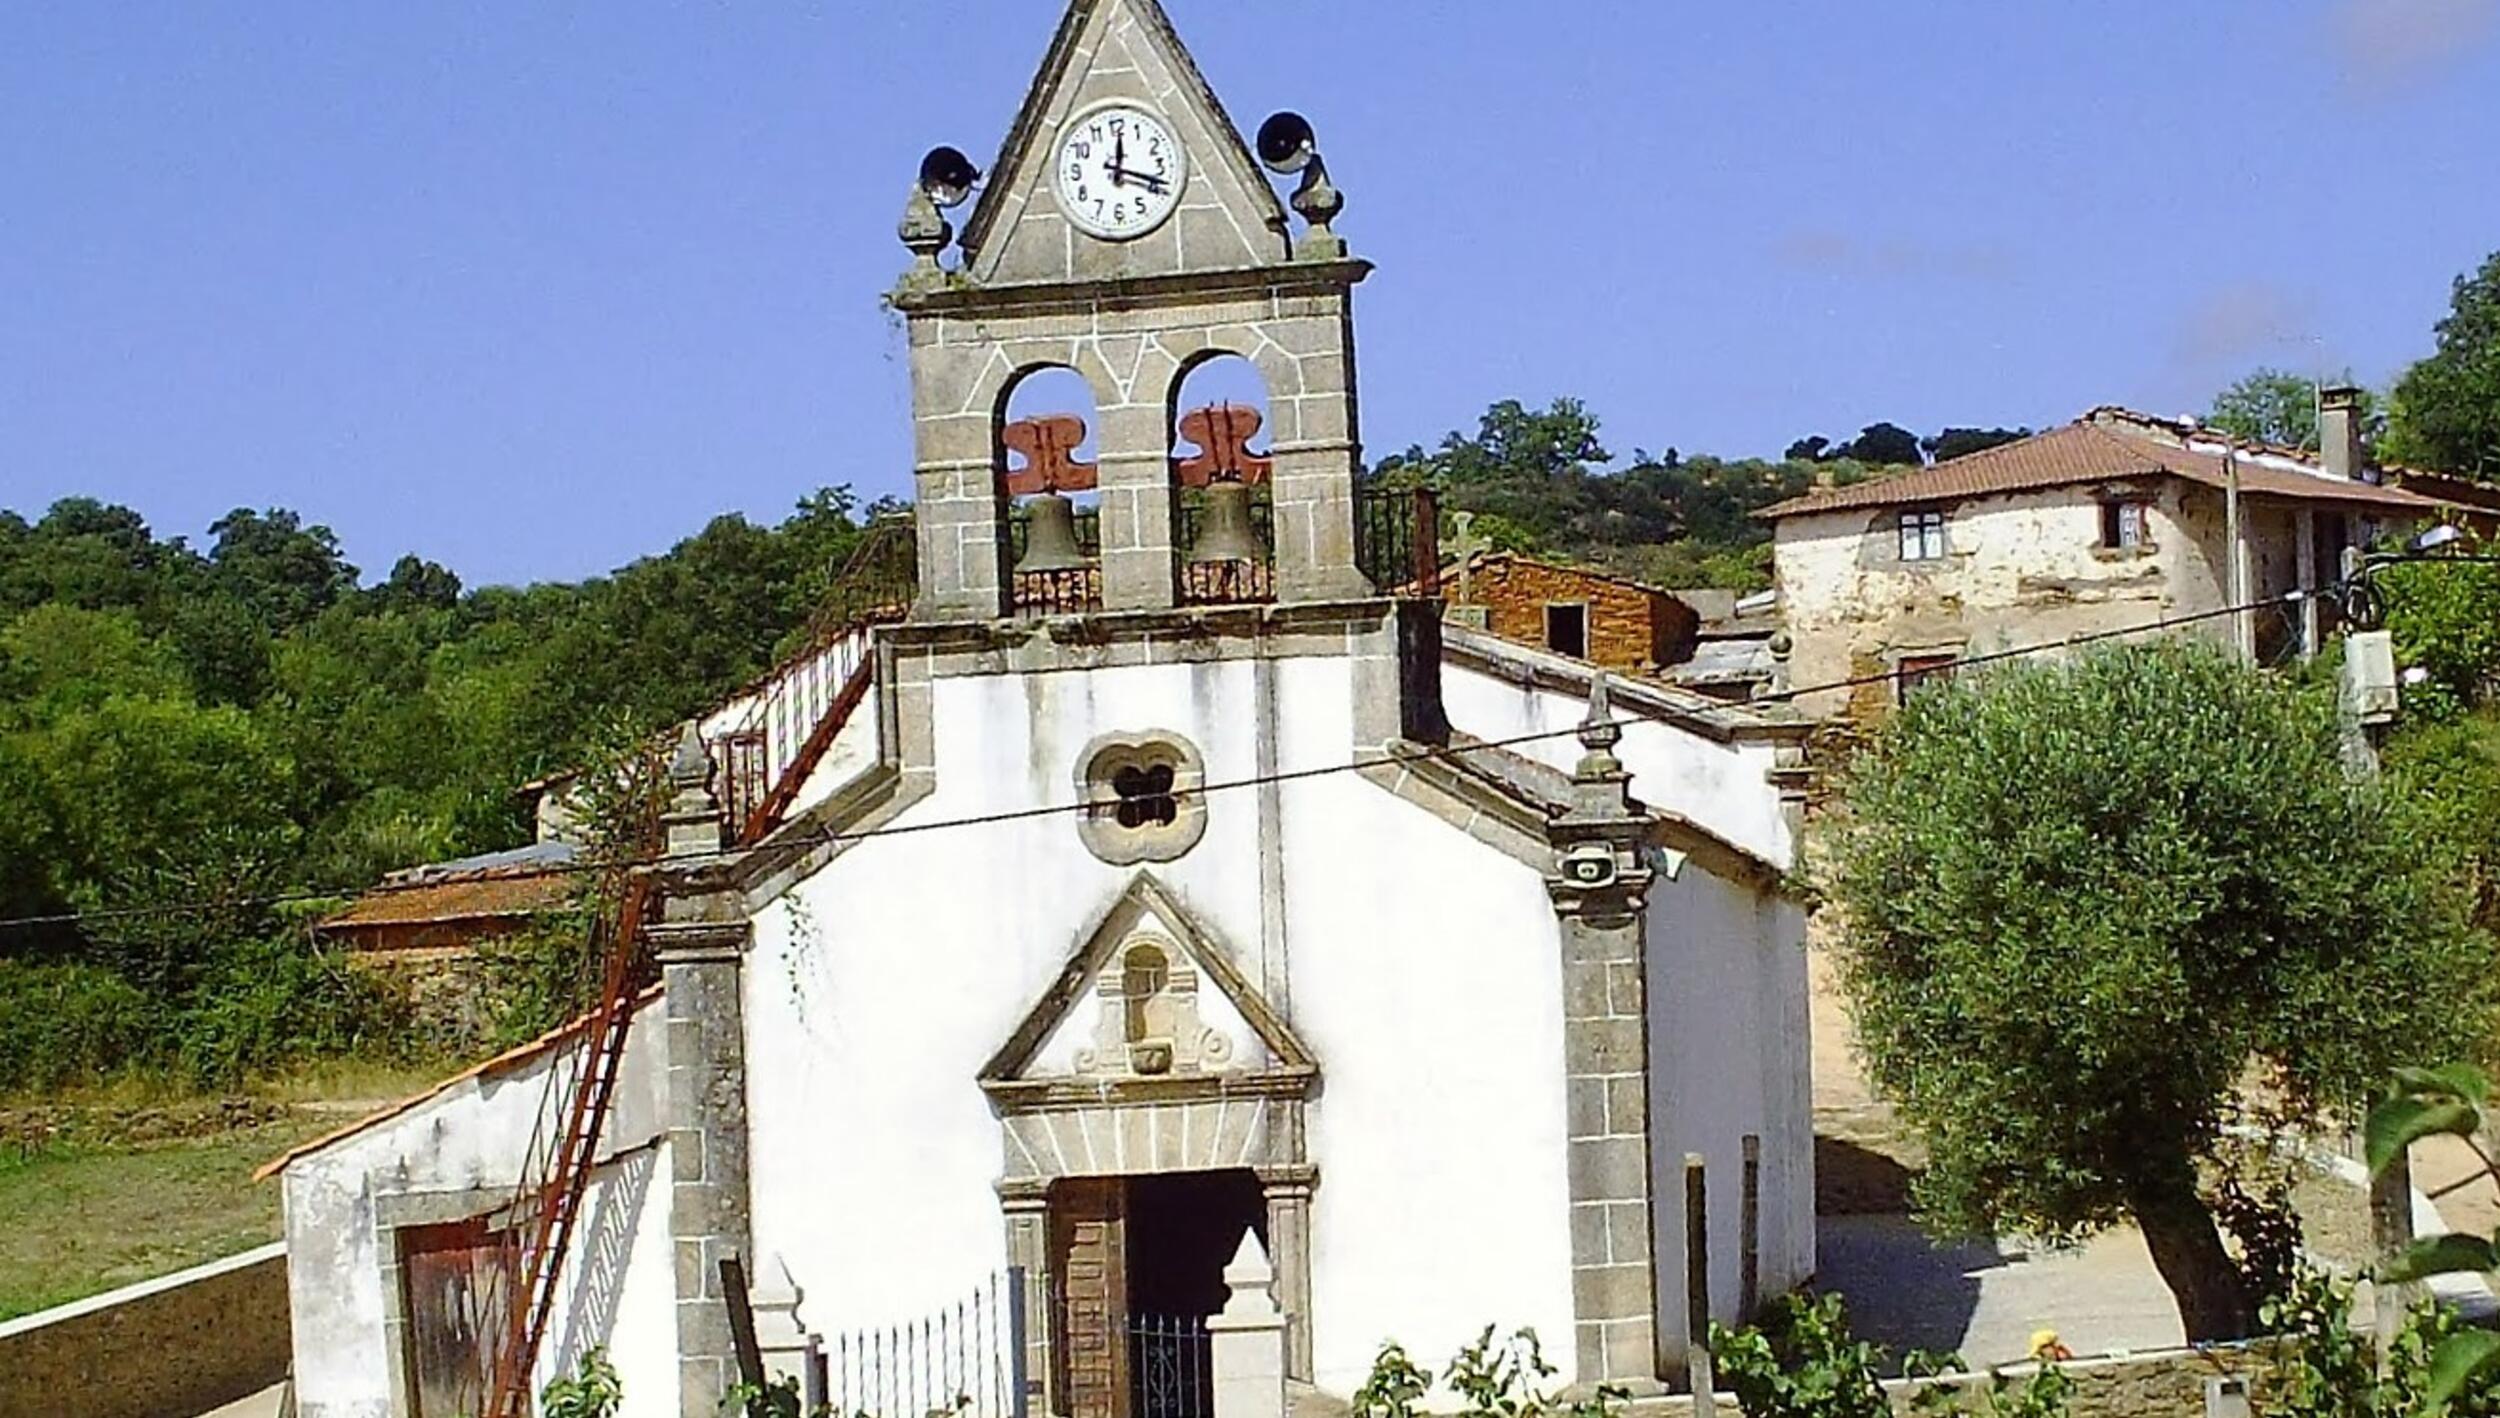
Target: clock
{"x": 1118, "y": 171}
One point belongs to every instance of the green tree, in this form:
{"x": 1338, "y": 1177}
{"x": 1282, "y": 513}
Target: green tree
{"x": 2082, "y": 900}
{"x": 417, "y": 584}
{"x": 2277, "y": 406}
{"x": 285, "y": 571}
{"x": 1962, "y": 442}
{"x": 2447, "y": 407}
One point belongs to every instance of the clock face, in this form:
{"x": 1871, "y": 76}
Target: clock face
{"x": 1119, "y": 172}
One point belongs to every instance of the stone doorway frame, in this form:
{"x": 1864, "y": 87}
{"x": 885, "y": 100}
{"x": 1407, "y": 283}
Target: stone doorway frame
{"x": 1110, "y": 1125}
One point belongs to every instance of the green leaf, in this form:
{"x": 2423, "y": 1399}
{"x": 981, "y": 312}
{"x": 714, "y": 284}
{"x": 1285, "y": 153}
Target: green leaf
{"x": 2459, "y": 1361}
{"x": 2452, "y": 1254}
{"x": 2399, "y": 1122}
{"x": 2449, "y": 1081}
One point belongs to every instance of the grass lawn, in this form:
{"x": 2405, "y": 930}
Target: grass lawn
{"x": 86, "y": 1219}
{"x": 92, "y": 1212}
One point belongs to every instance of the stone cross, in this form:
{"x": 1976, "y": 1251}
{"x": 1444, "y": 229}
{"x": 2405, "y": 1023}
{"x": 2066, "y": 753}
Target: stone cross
{"x": 1465, "y": 545}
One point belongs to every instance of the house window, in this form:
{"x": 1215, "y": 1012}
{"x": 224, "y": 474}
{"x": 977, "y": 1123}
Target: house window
{"x": 1567, "y": 628}
{"x": 1915, "y": 670}
{"x": 1922, "y": 536}
{"x": 2125, "y": 526}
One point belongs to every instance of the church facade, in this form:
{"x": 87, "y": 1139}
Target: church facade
{"x": 1154, "y": 898}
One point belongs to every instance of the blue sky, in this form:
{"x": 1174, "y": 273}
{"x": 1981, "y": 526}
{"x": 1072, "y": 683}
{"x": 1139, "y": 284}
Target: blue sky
{"x": 535, "y": 289}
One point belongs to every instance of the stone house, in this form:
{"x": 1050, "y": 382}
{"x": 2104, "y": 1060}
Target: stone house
{"x": 1146, "y": 901}
{"x": 1577, "y": 611}
{"x": 2109, "y": 522}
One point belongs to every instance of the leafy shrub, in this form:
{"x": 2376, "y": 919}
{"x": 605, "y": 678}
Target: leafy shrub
{"x": 2324, "y": 1368}
{"x": 1801, "y": 1362}
{"x": 1492, "y": 1379}
{"x": 273, "y": 1000}
{"x": 591, "y": 1392}
{"x": 63, "y": 1023}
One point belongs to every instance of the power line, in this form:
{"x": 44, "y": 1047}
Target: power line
{"x": 1389, "y": 758}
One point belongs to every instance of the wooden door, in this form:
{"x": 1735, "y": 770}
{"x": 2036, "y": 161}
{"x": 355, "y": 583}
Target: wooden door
{"x": 458, "y": 1285}
{"x": 1089, "y": 1249}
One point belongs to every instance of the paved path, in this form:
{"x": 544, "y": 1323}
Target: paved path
{"x": 1985, "y": 1299}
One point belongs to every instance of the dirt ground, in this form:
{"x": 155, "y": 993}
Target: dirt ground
{"x": 1984, "y": 1297}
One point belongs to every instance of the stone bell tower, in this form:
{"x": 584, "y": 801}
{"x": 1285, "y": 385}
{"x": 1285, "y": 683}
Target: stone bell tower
{"x": 1127, "y": 233}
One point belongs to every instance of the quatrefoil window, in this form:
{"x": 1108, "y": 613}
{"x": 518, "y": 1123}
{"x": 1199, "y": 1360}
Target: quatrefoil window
{"x": 1143, "y": 796}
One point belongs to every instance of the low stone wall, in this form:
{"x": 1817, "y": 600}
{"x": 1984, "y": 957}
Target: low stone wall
{"x": 168, "y": 1348}
{"x": 2170, "y": 1384}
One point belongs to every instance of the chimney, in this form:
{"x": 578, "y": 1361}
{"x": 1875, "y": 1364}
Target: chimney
{"x": 2339, "y": 430}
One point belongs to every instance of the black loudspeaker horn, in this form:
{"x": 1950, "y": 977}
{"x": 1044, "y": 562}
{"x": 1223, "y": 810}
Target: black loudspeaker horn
{"x": 1286, "y": 142}
{"x": 948, "y": 176}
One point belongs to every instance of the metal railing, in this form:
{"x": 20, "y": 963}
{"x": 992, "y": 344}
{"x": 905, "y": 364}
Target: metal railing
{"x": 1397, "y": 540}
{"x": 968, "y": 1359}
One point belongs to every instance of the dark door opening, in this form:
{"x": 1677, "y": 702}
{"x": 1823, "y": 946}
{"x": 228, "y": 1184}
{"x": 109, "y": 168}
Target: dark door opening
{"x": 1567, "y": 628}
{"x": 1139, "y": 1266}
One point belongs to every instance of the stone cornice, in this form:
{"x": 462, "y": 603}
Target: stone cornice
{"x": 700, "y": 942}
{"x": 1043, "y": 1095}
{"x": 1133, "y": 292}
{"x": 1720, "y": 723}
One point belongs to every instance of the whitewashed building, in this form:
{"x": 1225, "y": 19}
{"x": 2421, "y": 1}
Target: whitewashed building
{"x": 1152, "y": 900}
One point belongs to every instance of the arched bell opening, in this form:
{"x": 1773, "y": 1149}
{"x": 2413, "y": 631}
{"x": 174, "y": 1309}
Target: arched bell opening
{"x": 1050, "y": 505}
{"x": 1223, "y": 508}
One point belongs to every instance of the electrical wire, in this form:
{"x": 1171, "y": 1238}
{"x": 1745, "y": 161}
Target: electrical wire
{"x": 1387, "y": 758}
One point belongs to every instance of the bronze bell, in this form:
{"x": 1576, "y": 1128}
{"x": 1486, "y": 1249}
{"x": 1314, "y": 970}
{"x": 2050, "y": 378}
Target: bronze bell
{"x": 1050, "y": 536}
{"x": 1224, "y": 530}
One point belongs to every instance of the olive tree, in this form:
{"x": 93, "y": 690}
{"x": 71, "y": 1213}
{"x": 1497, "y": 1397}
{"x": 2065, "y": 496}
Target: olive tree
{"x": 2089, "y": 904}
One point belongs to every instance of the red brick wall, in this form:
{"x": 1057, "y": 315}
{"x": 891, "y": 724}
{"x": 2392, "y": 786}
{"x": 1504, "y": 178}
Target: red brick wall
{"x": 1630, "y": 627}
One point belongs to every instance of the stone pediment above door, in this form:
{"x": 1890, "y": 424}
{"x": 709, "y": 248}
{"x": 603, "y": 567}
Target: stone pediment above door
{"x": 1150, "y": 1007}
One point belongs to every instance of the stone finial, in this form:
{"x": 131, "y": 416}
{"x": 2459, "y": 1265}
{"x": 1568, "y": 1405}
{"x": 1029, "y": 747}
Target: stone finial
{"x": 1599, "y": 733}
{"x": 693, "y": 819}
{"x": 691, "y": 765}
{"x": 1250, "y": 1276}
{"x": 1247, "y": 1339}
{"x": 925, "y": 234}
{"x": 1318, "y": 202}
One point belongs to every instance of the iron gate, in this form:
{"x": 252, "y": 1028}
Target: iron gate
{"x": 1171, "y": 1368}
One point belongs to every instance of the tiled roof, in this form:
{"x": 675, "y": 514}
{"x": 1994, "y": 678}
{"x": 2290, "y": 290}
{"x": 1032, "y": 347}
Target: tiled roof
{"x": 480, "y": 896}
{"x": 2095, "y": 450}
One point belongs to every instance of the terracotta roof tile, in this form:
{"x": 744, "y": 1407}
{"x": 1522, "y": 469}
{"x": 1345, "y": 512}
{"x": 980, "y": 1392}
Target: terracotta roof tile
{"x": 483, "y": 897}
{"x": 2092, "y": 451}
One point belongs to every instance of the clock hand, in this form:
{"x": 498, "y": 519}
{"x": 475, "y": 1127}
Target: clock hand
{"x": 1119, "y": 151}
{"x": 1121, "y": 176}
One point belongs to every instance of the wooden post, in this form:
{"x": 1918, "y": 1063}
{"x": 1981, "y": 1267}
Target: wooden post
{"x": 1697, "y": 1360}
{"x": 733, "y": 1287}
{"x": 1749, "y": 1239}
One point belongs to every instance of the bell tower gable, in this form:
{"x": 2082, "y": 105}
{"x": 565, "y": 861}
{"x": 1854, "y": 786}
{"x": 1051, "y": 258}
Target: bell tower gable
{"x": 1121, "y": 55}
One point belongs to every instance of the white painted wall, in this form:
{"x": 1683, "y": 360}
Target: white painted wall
{"x": 2021, "y": 569}
{"x": 1424, "y": 974}
{"x": 470, "y": 1138}
{"x": 1729, "y": 1055}
{"x": 1722, "y": 786}
{"x": 1427, "y": 978}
